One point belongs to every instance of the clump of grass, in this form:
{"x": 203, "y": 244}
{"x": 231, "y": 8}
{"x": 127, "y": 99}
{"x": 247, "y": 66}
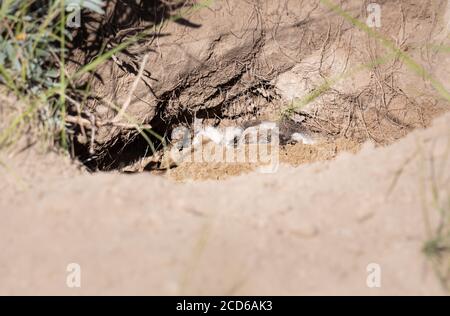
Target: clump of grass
{"x": 437, "y": 248}
{"x": 33, "y": 50}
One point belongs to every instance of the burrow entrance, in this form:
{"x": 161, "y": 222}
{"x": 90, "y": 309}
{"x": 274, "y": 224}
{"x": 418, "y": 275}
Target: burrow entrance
{"x": 305, "y": 68}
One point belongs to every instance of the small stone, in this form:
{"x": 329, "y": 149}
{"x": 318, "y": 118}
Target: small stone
{"x": 82, "y": 139}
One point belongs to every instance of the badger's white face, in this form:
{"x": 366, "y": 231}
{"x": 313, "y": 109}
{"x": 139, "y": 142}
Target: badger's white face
{"x": 261, "y": 133}
{"x": 302, "y": 138}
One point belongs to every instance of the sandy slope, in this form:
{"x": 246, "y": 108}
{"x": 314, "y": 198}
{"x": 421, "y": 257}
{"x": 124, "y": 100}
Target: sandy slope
{"x": 306, "y": 230}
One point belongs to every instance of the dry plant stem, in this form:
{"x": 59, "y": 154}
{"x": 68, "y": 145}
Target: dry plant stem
{"x": 93, "y": 130}
{"x": 86, "y": 123}
{"x": 89, "y": 123}
{"x": 133, "y": 89}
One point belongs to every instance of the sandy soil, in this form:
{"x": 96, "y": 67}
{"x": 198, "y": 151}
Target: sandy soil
{"x": 311, "y": 229}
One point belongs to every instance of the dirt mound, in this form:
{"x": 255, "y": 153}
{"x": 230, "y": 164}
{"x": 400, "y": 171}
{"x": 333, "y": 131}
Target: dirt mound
{"x": 307, "y": 230}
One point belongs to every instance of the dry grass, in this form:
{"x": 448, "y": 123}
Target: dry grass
{"x": 436, "y": 206}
